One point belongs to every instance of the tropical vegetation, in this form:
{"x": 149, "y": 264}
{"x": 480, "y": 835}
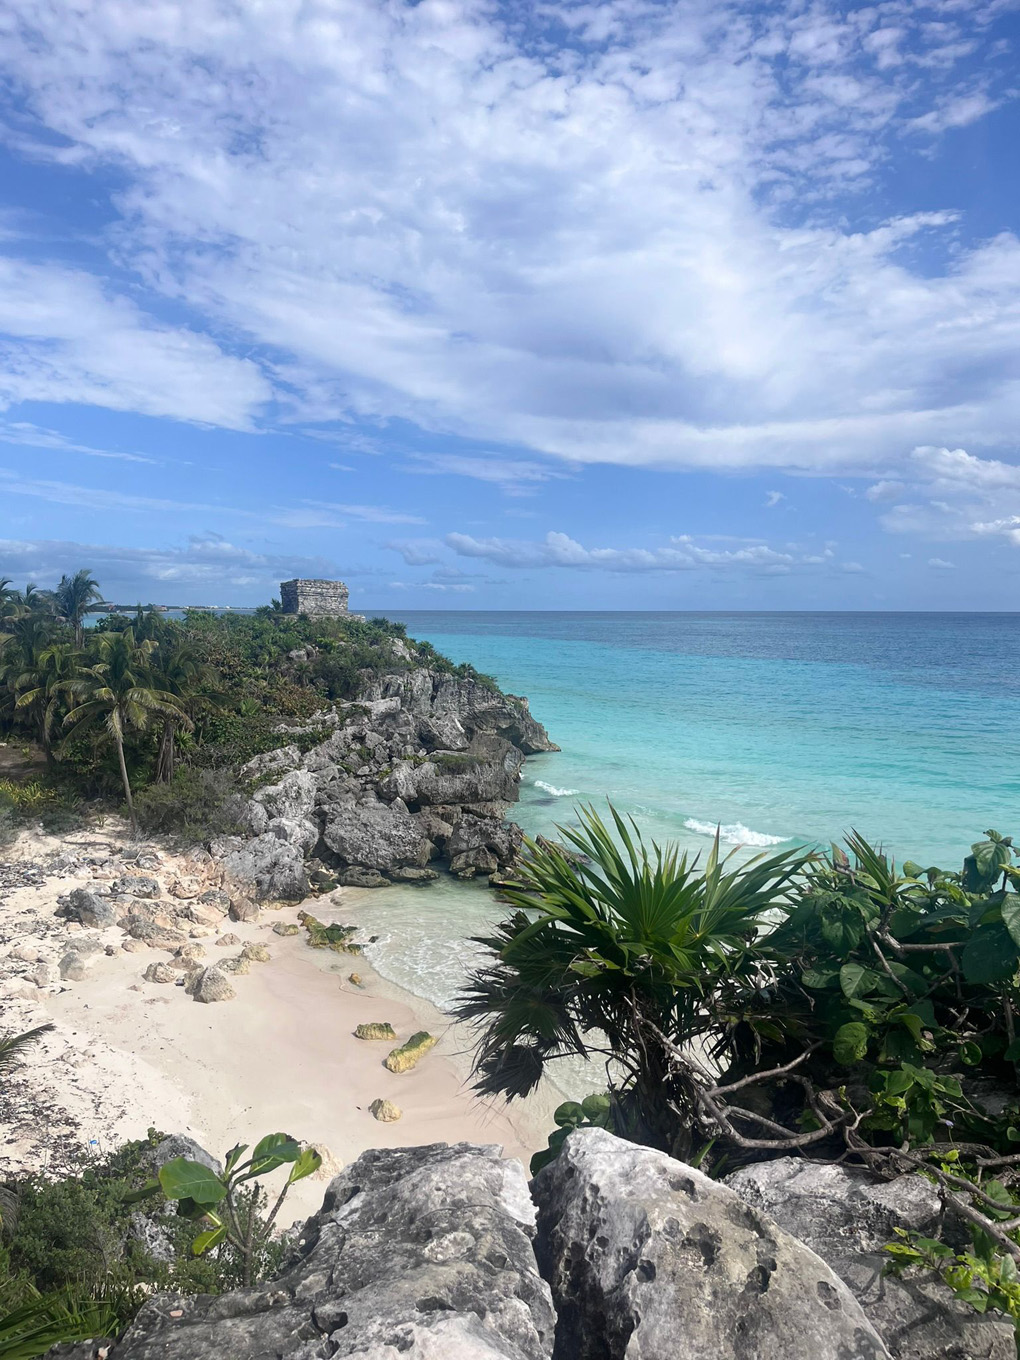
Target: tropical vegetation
{"x": 147, "y": 710}
{"x": 835, "y": 1004}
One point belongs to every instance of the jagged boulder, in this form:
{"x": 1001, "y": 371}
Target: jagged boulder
{"x": 88, "y": 908}
{"x": 846, "y": 1216}
{"x": 377, "y": 836}
{"x": 292, "y": 799}
{"x": 648, "y": 1257}
{"x": 417, "y": 1252}
{"x": 487, "y": 773}
{"x": 209, "y": 985}
{"x": 433, "y": 695}
{"x": 266, "y": 866}
{"x": 482, "y": 845}
{"x": 136, "y": 885}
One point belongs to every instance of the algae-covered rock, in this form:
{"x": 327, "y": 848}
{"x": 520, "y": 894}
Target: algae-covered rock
{"x": 258, "y": 953}
{"x": 355, "y": 980}
{"x": 385, "y": 1111}
{"x": 410, "y": 1054}
{"x": 378, "y": 1030}
{"x": 286, "y": 928}
{"x": 322, "y": 936}
{"x": 239, "y": 965}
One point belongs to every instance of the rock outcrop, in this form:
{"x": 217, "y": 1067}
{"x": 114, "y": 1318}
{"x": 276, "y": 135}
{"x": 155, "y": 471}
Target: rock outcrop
{"x": 648, "y": 1257}
{"x": 418, "y": 1252}
{"x": 846, "y": 1217}
{"x": 435, "y": 1253}
{"x": 423, "y": 769}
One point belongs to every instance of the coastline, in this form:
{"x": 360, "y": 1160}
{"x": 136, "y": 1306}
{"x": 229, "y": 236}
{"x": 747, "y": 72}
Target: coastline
{"x": 128, "y": 1054}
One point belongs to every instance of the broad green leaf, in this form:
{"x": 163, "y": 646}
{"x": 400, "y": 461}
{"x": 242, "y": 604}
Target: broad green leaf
{"x": 970, "y": 1053}
{"x": 850, "y": 1043}
{"x": 1011, "y": 916}
{"x": 568, "y": 1115}
{"x": 271, "y": 1152}
{"x": 306, "y": 1165}
{"x": 816, "y": 980}
{"x": 990, "y": 955}
{"x": 207, "y": 1240}
{"x": 234, "y": 1156}
{"x": 596, "y": 1106}
{"x": 183, "y": 1179}
{"x": 856, "y": 980}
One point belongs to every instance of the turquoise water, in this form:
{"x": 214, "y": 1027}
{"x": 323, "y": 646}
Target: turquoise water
{"x": 782, "y": 728}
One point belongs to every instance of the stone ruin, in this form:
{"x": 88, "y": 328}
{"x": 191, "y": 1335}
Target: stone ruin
{"x": 319, "y": 599}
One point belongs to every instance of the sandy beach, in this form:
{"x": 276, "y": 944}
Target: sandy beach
{"x": 128, "y": 1053}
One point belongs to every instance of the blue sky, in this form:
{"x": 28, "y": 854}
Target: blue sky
{"x": 540, "y": 305}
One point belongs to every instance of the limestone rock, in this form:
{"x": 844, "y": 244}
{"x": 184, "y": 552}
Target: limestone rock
{"x": 293, "y": 798}
{"x": 160, "y": 972}
{"x": 238, "y": 965}
{"x": 265, "y": 865}
{"x": 376, "y": 836}
{"x": 378, "y": 1029}
{"x": 355, "y": 980}
{"x": 434, "y": 696}
{"x": 385, "y": 1111}
{"x": 88, "y": 908}
{"x": 417, "y": 1252}
{"x": 257, "y": 953}
{"x": 410, "y": 1054}
{"x": 132, "y": 946}
{"x": 286, "y": 928}
{"x": 225, "y": 941}
{"x": 357, "y": 877}
{"x": 136, "y": 885}
{"x": 184, "y": 886}
{"x": 648, "y": 1257}
{"x": 155, "y": 936}
{"x": 203, "y": 913}
{"x": 846, "y": 1216}
{"x": 209, "y": 984}
{"x": 177, "y": 1145}
{"x": 74, "y": 966}
{"x": 244, "y": 909}
{"x": 283, "y": 759}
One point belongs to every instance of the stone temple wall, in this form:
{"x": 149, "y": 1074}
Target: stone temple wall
{"x": 323, "y": 599}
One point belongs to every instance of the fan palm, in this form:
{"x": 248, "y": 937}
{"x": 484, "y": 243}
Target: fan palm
{"x": 41, "y": 688}
{"x": 118, "y": 693}
{"x": 609, "y": 951}
{"x": 72, "y": 598}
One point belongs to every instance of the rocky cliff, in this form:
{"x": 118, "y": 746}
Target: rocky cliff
{"x": 422, "y": 770}
{"x": 617, "y": 1253}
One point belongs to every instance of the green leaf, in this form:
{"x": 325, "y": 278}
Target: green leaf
{"x": 306, "y": 1165}
{"x": 816, "y": 980}
{"x": 970, "y": 1053}
{"x": 271, "y": 1152}
{"x": 596, "y": 1106}
{"x": 855, "y": 979}
{"x": 990, "y": 955}
{"x": 207, "y": 1240}
{"x": 569, "y": 1114}
{"x": 182, "y": 1179}
{"x": 1011, "y": 916}
{"x": 850, "y": 1043}
{"x": 233, "y": 1157}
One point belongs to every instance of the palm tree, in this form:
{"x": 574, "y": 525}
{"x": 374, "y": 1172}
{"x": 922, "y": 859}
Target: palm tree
{"x": 610, "y": 953}
{"x": 72, "y": 597}
{"x": 118, "y": 693}
{"x": 43, "y": 685}
{"x": 184, "y": 674}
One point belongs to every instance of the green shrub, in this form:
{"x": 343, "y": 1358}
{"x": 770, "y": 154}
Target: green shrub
{"x": 196, "y": 804}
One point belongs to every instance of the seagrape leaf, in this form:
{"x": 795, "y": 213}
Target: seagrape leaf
{"x": 306, "y": 1165}
{"x": 850, "y": 1043}
{"x": 596, "y": 1106}
{"x": 182, "y": 1179}
{"x": 271, "y": 1152}
{"x": 1011, "y": 916}
{"x": 856, "y": 980}
{"x": 568, "y": 1115}
{"x": 985, "y": 862}
{"x": 990, "y": 955}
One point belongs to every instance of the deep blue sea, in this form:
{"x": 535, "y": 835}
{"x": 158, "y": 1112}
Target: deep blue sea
{"x": 781, "y": 728}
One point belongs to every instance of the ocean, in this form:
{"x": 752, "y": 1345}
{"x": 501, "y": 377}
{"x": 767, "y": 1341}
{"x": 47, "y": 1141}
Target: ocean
{"x": 781, "y": 729}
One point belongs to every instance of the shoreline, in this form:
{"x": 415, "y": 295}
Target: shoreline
{"x": 128, "y": 1054}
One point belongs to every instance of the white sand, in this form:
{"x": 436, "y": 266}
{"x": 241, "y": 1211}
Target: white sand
{"x": 130, "y": 1054}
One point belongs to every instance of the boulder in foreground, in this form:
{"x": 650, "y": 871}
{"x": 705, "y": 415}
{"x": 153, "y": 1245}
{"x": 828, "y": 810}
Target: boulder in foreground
{"x": 648, "y": 1257}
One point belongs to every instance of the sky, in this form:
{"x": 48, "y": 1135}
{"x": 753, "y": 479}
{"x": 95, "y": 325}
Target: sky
{"x": 631, "y": 304}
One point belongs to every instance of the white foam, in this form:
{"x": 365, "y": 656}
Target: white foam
{"x": 557, "y": 793}
{"x": 734, "y": 834}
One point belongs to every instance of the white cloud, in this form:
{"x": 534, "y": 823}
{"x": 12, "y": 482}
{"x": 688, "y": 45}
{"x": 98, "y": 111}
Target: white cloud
{"x": 682, "y": 554}
{"x": 884, "y": 490}
{"x": 941, "y": 564}
{"x": 66, "y": 338}
{"x": 513, "y": 476}
{"x": 637, "y": 247}
{"x": 208, "y": 569}
{"x": 26, "y": 435}
{"x": 772, "y": 498}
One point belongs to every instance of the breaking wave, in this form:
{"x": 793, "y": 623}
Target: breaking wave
{"x": 735, "y": 834}
{"x": 556, "y": 793}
